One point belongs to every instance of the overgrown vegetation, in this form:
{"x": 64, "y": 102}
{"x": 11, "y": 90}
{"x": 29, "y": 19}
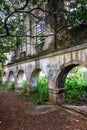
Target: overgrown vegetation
{"x": 40, "y": 93}
{"x": 76, "y": 86}
{"x": 24, "y": 86}
{"x": 12, "y": 15}
{"x": 0, "y": 72}
{"x": 76, "y": 12}
{"x": 3, "y": 85}
{"x": 9, "y": 86}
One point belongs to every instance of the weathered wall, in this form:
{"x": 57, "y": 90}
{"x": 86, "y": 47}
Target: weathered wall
{"x": 56, "y": 34}
{"x": 54, "y": 65}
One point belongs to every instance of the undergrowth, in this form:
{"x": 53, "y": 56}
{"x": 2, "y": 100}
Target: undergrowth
{"x": 40, "y": 92}
{"x": 76, "y": 88}
{"x": 24, "y": 86}
{"x": 8, "y": 86}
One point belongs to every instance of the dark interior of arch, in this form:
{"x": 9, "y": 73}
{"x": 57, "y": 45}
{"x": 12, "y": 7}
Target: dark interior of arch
{"x": 4, "y": 74}
{"x": 36, "y": 72}
{"x": 11, "y": 73}
{"x": 62, "y": 75}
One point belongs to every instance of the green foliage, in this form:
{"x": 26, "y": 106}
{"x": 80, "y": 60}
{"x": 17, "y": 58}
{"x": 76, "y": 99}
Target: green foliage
{"x": 76, "y": 13}
{"x": 0, "y": 73}
{"x": 16, "y": 19}
{"x": 36, "y": 1}
{"x": 24, "y": 86}
{"x": 76, "y": 86}
{"x": 14, "y": 24}
{"x": 3, "y": 86}
{"x": 11, "y": 86}
{"x": 6, "y": 44}
{"x": 40, "y": 94}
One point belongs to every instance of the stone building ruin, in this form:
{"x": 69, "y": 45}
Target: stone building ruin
{"x": 54, "y": 50}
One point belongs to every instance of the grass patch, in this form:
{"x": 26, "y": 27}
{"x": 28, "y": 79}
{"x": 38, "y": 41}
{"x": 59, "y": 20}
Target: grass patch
{"x": 8, "y": 86}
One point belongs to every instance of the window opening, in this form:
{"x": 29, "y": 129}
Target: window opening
{"x": 40, "y": 32}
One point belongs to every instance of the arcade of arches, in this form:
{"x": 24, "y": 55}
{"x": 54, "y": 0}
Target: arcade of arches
{"x": 55, "y": 67}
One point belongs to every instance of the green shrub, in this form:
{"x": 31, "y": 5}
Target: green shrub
{"x": 4, "y": 85}
{"x": 73, "y": 96}
{"x": 75, "y": 87}
{"x": 40, "y": 94}
{"x": 0, "y": 73}
{"x": 0, "y": 76}
{"x": 42, "y": 89}
{"x": 11, "y": 86}
{"x": 24, "y": 86}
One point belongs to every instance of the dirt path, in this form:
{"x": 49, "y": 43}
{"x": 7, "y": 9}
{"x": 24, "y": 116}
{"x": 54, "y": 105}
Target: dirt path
{"x": 13, "y": 116}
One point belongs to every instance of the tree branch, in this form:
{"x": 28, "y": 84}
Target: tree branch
{"x": 5, "y": 22}
{"x": 15, "y": 11}
{"x": 22, "y": 11}
{"x": 31, "y": 36}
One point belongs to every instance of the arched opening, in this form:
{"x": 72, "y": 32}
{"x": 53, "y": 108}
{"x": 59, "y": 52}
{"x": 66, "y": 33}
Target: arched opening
{"x": 20, "y": 78}
{"x": 62, "y": 75}
{"x": 39, "y": 87}
{"x": 76, "y": 86}
{"x": 11, "y": 77}
{"x": 4, "y": 77}
{"x": 65, "y": 77}
{"x": 34, "y": 77}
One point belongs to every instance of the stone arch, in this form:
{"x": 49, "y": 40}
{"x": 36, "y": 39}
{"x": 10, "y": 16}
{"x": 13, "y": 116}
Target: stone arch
{"x": 64, "y": 70}
{"x": 20, "y": 77}
{"x": 11, "y": 76}
{"x": 34, "y": 76}
{"x": 61, "y": 76}
{"x": 4, "y": 77}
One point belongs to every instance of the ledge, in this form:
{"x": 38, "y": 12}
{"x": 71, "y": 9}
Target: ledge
{"x": 50, "y": 53}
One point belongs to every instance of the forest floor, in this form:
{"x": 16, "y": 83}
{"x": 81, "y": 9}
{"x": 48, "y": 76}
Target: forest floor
{"x": 18, "y": 113}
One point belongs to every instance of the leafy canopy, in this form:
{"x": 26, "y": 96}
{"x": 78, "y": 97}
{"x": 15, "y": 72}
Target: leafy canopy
{"x": 11, "y": 21}
{"x": 77, "y": 12}
{"x": 13, "y": 12}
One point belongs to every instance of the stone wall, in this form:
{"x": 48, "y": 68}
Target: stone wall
{"x": 55, "y": 66}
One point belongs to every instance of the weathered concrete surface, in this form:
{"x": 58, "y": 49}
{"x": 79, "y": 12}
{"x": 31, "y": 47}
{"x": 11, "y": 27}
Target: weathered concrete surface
{"x": 41, "y": 109}
{"x": 55, "y": 66}
{"x": 82, "y": 108}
